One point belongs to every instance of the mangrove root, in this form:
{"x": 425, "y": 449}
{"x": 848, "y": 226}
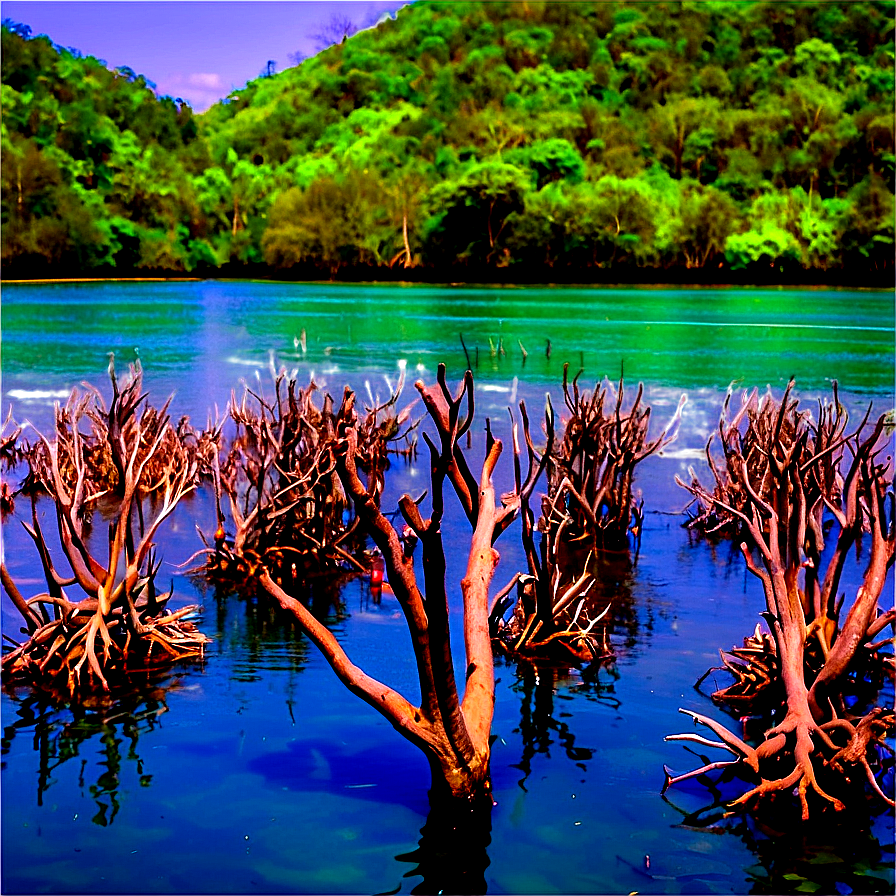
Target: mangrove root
{"x": 788, "y": 484}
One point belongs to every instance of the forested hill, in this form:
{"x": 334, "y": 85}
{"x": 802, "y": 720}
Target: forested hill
{"x": 591, "y": 141}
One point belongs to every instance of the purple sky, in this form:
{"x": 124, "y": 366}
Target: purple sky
{"x": 196, "y": 50}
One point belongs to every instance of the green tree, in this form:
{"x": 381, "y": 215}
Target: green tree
{"x": 468, "y": 216}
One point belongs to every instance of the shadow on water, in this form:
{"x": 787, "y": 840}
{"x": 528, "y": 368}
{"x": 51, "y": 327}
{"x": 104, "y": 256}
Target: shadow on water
{"x": 310, "y": 765}
{"x": 102, "y": 739}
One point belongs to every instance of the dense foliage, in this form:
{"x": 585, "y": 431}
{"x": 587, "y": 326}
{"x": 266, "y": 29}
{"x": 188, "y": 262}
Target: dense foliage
{"x": 545, "y": 139}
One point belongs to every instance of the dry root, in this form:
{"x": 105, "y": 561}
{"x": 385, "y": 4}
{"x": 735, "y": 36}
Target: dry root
{"x": 81, "y": 653}
{"x": 755, "y": 669}
{"x": 843, "y": 754}
{"x": 576, "y": 631}
{"x": 800, "y": 493}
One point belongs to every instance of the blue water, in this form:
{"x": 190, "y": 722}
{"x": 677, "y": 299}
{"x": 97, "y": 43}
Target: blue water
{"x": 256, "y": 771}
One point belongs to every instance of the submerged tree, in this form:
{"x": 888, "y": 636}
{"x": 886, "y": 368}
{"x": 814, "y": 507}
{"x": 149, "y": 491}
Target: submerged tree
{"x": 590, "y": 509}
{"x": 546, "y": 602}
{"x": 77, "y": 647}
{"x": 287, "y": 505}
{"x": 453, "y": 732}
{"x": 592, "y": 471}
{"x": 801, "y": 494}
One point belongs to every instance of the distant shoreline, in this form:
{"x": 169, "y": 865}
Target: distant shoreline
{"x": 877, "y": 284}
{"x": 49, "y": 280}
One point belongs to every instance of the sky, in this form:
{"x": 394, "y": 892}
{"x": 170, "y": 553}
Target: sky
{"x": 199, "y": 50}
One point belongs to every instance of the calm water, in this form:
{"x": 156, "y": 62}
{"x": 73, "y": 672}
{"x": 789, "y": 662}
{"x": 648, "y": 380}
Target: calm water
{"x": 257, "y": 772}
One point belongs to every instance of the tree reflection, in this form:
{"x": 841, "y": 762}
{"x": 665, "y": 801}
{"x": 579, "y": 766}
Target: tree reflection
{"x": 840, "y": 855}
{"x": 613, "y": 573}
{"x": 539, "y": 729}
{"x": 112, "y": 730}
{"x": 452, "y": 854}
{"x": 261, "y": 623}
{"x": 537, "y": 680}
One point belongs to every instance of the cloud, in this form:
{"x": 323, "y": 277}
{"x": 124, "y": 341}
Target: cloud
{"x": 199, "y": 89}
{"x": 206, "y": 80}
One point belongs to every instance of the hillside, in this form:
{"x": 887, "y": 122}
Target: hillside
{"x": 619, "y": 140}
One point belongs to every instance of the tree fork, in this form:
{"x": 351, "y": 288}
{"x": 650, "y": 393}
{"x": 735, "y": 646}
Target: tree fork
{"x": 454, "y": 734}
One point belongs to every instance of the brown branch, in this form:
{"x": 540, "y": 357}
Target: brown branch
{"x": 388, "y": 702}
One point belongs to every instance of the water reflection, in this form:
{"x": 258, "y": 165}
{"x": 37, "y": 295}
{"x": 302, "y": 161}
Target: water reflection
{"x": 541, "y": 684}
{"x": 112, "y": 732}
{"x": 452, "y": 854}
{"x": 613, "y": 574}
{"x": 250, "y": 626}
{"x": 833, "y": 854}
{"x": 539, "y": 728}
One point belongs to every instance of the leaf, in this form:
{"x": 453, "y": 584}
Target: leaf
{"x": 825, "y": 858}
{"x": 877, "y": 875}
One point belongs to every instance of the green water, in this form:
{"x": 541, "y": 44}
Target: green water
{"x": 257, "y": 772}
{"x": 215, "y": 331}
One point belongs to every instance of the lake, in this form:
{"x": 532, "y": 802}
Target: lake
{"x": 255, "y": 771}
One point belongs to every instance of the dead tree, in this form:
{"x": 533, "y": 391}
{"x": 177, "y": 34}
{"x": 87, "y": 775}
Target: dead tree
{"x": 11, "y": 453}
{"x": 589, "y": 508}
{"x": 742, "y": 435}
{"x": 547, "y": 602}
{"x": 75, "y": 646}
{"x": 287, "y": 505}
{"x": 590, "y": 475}
{"x": 791, "y": 478}
{"x": 453, "y": 732}
{"x": 533, "y": 628}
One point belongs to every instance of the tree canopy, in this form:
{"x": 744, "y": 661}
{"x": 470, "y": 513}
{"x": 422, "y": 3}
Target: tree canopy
{"x": 532, "y": 139}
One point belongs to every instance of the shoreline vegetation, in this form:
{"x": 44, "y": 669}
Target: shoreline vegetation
{"x": 620, "y": 142}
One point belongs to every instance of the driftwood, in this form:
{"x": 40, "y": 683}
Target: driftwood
{"x": 288, "y": 509}
{"x": 787, "y": 479}
{"x": 75, "y": 646}
{"x": 453, "y": 732}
